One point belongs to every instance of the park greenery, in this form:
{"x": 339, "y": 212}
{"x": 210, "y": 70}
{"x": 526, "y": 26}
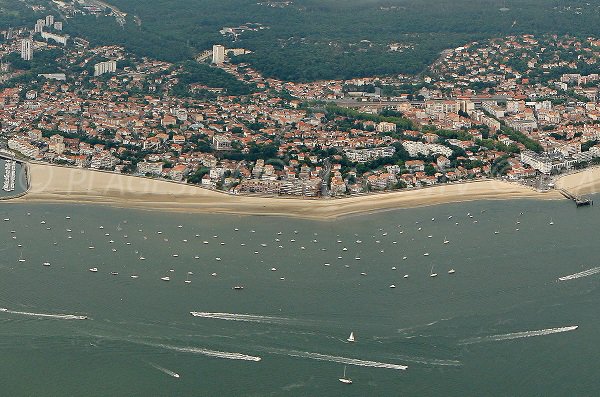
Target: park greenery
{"x": 200, "y": 73}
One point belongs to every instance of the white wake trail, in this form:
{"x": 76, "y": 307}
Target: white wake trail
{"x": 518, "y": 335}
{"x": 584, "y": 273}
{"x": 337, "y": 359}
{"x": 165, "y": 370}
{"x": 206, "y": 352}
{"x": 430, "y": 361}
{"x": 46, "y": 315}
{"x": 244, "y": 317}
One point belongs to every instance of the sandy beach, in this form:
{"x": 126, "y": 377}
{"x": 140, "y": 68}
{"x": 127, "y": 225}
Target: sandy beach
{"x": 583, "y": 182}
{"x": 52, "y": 184}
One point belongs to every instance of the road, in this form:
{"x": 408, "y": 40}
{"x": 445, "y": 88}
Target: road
{"x": 325, "y": 174}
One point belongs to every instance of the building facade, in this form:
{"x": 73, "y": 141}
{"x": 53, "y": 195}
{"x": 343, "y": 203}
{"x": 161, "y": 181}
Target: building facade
{"x": 27, "y": 49}
{"x": 218, "y": 54}
{"x": 105, "y": 67}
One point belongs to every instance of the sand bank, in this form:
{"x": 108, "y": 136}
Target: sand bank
{"x": 51, "y": 184}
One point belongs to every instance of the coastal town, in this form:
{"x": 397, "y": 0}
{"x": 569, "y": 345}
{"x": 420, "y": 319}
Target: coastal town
{"x": 519, "y": 108}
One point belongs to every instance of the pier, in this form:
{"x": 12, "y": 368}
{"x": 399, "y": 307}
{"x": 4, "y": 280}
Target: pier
{"x": 579, "y": 200}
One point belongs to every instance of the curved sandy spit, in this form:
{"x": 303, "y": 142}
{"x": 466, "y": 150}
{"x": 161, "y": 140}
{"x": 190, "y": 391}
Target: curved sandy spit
{"x": 52, "y": 184}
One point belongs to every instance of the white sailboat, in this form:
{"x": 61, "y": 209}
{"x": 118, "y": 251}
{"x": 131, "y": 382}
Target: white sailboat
{"x": 446, "y": 241}
{"x": 432, "y": 274}
{"x": 351, "y": 337}
{"x": 345, "y": 380}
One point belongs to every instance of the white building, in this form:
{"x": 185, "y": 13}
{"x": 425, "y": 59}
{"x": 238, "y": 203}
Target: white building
{"x": 493, "y": 109}
{"x": 218, "y": 54}
{"x": 105, "y": 67}
{"x": 145, "y": 167}
{"x": 39, "y": 25}
{"x": 386, "y": 127}
{"x": 548, "y": 162}
{"x": 58, "y": 25}
{"x": 56, "y": 37}
{"x": 419, "y": 148}
{"x": 27, "y": 49}
{"x": 23, "y": 146}
{"x": 103, "y": 159}
{"x": 221, "y": 142}
{"x": 50, "y": 20}
{"x": 364, "y": 155}
{"x": 441, "y": 106}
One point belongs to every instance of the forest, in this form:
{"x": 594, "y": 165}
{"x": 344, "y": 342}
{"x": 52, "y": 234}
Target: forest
{"x": 15, "y": 13}
{"x": 325, "y": 39}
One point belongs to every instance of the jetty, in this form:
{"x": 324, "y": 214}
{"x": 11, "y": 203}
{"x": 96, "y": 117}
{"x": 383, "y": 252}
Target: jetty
{"x": 578, "y": 200}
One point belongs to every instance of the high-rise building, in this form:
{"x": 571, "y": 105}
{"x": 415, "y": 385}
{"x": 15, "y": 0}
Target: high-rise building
{"x": 39, "y": 25}
{"x": 58, "y": 25}
{"x": 50, "y": 20}
{"x": 27, "y": 49}
{"x": 218, "y": 54}
{"x": 105, "y": 67}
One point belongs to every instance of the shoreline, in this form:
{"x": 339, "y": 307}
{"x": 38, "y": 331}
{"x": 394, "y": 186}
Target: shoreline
{"x": 65, "y": 185}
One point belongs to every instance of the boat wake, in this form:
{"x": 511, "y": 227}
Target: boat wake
{"x": 336, "y": 359}
{"x": 584, "y": 273}
{"x": 164, "y": 370}
{"x": 518, "y": 335}
{"x": 205, "y": 352}
{"x": 45, "y": 315}
{"x": 250, "y": 318}
{"x": 430, "y": 361}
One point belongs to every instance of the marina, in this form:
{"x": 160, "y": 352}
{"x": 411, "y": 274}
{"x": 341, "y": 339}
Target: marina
{"x": 13, "y": 177}
{"x": 10, "y": 171}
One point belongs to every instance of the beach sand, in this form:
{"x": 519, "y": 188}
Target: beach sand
{"x": 583, "y": 182}
{"x": 52, "y": 184}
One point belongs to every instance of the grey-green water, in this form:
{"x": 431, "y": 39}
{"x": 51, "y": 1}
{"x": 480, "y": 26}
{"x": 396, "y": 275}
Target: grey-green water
{"x": 443, "y": 328}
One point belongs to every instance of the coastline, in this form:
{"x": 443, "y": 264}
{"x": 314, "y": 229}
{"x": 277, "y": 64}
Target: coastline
{"x": 63, "y": 185}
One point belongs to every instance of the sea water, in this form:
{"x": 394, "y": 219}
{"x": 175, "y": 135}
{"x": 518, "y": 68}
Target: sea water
{"x": 502, "y": 324}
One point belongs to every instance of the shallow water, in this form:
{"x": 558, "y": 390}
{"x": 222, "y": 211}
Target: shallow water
{"x": 485, "y": 330}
